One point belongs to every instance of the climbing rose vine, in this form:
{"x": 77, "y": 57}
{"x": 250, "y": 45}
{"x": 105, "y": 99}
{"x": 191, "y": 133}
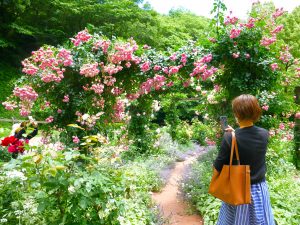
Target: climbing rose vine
{"x": 97, "y": 75}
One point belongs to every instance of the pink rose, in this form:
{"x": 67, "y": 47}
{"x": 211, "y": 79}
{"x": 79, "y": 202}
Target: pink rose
{"x": 281, "y": 126}
{"x": 76, "y": 140}
{"x": 49, "y": 119}
{"x": 234, "y": 33}
{"x": 265, "y": 107}
{"x": 236, "y": 55}
{"x": 274, "y": 66}
{"x": 66, "y": 98}
{"x": 156, "y": 68}
{"x": 145, "y": 66}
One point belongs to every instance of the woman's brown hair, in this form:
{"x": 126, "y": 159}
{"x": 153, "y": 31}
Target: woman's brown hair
{"x": 246, "y": 107}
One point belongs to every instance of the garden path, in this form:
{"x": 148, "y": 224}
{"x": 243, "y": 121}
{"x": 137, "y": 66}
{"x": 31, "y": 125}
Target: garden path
{"x": 174, "y": 209}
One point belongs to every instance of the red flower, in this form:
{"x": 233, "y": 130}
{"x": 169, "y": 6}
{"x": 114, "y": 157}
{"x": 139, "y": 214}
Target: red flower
{"x": 14, "y": 145}
{"x": 12, "y": 149}
{"x": 19, "y": 145}
{"x": 8, "y": 140}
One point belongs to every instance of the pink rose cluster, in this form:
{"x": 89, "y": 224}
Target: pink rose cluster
{"x": 82, "y": 36}
{"x": 234, "y": 33}
{"x": 156, "y": 83}
{"x": 109, "y": 80}
{"x": 267, "y": 41}
{"x": 274, "y": 66}
{"x": 49, "y": 63}
{"x": 50, "y": 119}
{"x": 284, "y": 130}
{"x": 9, "y": 105}
{"x": 173, "y": 57}
{"x": 285, "y": 55}
{"x": 231, "y": 20}
{"x": 206, "y": 58}
{"x": 119, "y": 111}
{"x": 236, "y": 55}
{"x": 265, "y": 107}
{"x": 250, "y": 24}
{"x": 133, "y": 96}
{"x": 174, "y": 69}
{"x": 157, "y": 68}
{"x": 124, "y": 52}
{"x": 98, "y": 88}
{"x": 25, "y": 93}
{"x": 145, "y": 67}
{"x": 76, "y": 140}
{"x": 29, "y": 68}
{"x": 66, "y": 98}
{"x": 112, "y": 69}
{"x": 64, "y": 57}
{"x": 183, "y": 59}
{"x": 278, "y": 13}
{"x": 116, "y": 91}
{"x": 89, "y": 69}
{"x": 201, "y": 68}
{"x": 277, "y": 29}
{"x": 104, "y": 44}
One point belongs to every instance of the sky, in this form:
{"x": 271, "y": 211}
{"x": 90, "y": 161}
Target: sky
{"x": 239, "y": 8}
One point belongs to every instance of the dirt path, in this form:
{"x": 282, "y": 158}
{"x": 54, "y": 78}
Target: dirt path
{"x": 174, "y": 209}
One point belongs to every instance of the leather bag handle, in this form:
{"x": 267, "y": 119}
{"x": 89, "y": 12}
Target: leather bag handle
{"x": 234, "y": 148}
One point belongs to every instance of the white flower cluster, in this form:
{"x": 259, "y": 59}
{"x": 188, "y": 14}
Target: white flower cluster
{"x": 211, "y": 98}
{"x": 16, "y": 175}
{"x": 156, "y": 106}
{"x": 30, "y": 206}
{"x": 3, "y": 220}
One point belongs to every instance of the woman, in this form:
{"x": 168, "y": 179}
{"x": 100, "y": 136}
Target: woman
{"x": 252, "y": 143}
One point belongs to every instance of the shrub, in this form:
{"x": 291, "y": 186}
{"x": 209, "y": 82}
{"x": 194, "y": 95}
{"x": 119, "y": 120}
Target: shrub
{"x": 71, "y": 188}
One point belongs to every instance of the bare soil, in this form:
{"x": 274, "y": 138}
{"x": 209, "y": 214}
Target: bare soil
{"x": 175, "y": 210}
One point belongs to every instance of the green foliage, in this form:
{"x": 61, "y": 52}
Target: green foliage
{"x": 281, "y": 106}
{"x": 179, "y": 26}
{"x": 8, "y": 76}
{"x": 183, "y": 133}
{"x": 140, "y": 130}
{"x": 71, "y": 188}
{"x": 202, "y": 132}
{"x": 290, "y": 34}
{"x": 24, "y": 28}
{"x": 5, "y": 156}
{"x": 218, "y": 11}
{"x": 283, "y": 181}
{"x": 170, "y": 107}
{"x": 242, "y": 75}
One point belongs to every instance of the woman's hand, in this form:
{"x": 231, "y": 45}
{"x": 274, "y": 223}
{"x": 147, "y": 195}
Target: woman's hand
{"x": 229, "y": 129}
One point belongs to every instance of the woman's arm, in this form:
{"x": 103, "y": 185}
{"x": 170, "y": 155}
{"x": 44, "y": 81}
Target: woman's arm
{"x": 224, "y": 153}
{"x": 32, "y": 134}
{"x": 19, "y": 135}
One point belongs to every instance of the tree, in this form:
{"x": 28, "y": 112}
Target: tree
{"x": 290, "y": 34}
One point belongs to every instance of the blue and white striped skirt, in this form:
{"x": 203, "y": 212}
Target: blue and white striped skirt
{"x": 259, "y": 212}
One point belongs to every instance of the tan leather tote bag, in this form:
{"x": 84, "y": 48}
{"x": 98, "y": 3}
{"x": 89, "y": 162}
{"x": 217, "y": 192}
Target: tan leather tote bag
{"x": 232, "y": 185}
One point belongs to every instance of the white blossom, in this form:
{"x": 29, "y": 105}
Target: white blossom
{"x": 14, "y": 174}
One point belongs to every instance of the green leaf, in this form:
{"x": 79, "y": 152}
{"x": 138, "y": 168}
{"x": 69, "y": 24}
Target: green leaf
{"x": 75, "y": 126}
{"x": 83, "y": 202}
{"x": 42, "y": 206}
